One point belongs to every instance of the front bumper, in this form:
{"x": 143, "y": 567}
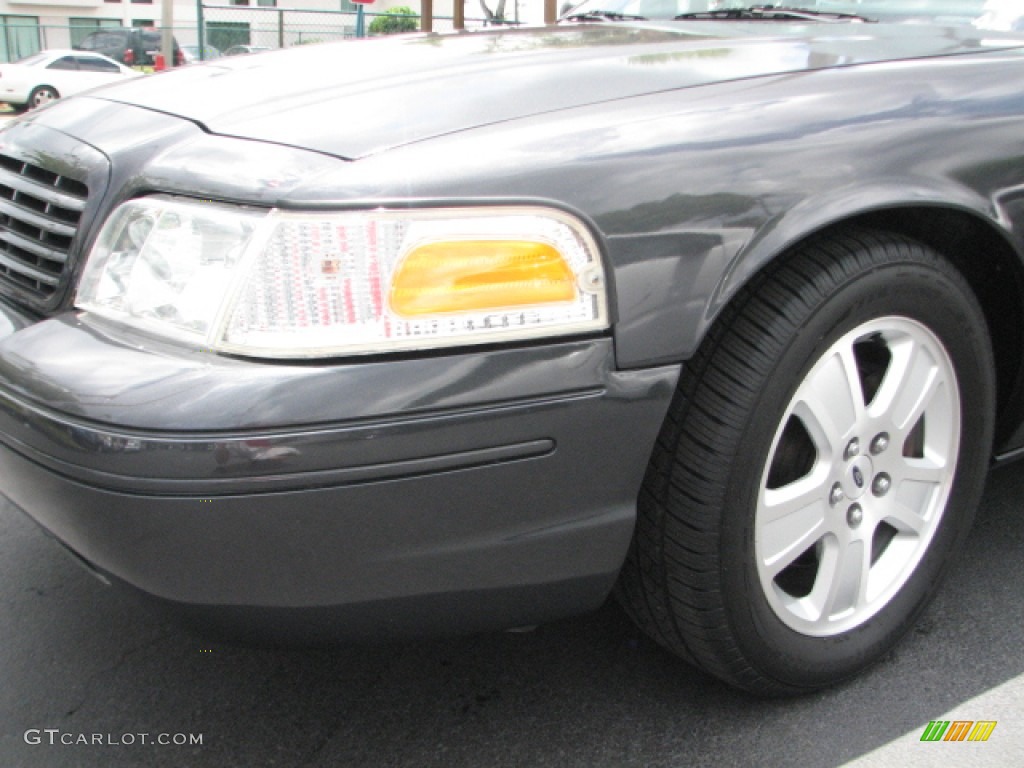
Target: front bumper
{"x": 486, "y": 489}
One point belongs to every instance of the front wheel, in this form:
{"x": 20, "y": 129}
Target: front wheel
{"x": 819, "y": 467}
{"x": 42, "y": 95}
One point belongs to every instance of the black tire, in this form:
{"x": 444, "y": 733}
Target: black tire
{"x": 758, "y": 447}
{"x": 42, "y": 95}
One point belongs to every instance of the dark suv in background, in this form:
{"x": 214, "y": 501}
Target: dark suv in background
{"x": 133, "y": 47}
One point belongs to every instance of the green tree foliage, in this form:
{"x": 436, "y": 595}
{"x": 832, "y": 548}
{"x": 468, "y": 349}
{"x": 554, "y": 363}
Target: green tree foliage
{"x": 394, "y": 20}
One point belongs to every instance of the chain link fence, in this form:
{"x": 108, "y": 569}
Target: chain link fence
{"x": 228, "y": 26}
{"x": 222, "y": 27}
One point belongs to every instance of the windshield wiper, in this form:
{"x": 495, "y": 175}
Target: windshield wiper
{"x": 602, "y": 16}
{"x": 772, "y": 13}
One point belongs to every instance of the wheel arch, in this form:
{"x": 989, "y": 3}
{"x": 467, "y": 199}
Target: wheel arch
{"x": 979, "y": 247}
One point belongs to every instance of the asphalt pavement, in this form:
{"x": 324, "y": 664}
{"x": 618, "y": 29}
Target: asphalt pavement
{"x": 93, "y": 678}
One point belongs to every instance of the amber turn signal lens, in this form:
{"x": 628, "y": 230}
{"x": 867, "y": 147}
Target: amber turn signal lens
{"x": 480, "y": 275}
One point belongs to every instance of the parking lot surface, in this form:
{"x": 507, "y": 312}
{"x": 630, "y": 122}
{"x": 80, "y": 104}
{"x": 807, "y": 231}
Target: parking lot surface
{"x": 92, "y": 678}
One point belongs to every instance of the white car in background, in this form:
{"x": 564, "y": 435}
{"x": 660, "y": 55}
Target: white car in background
{"x": 42, "y": 77}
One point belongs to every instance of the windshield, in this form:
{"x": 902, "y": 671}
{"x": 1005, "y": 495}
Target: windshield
{"x": 1006, "y": 15}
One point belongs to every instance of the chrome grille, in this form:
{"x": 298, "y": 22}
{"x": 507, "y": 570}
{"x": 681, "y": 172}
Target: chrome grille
{"x": 39, "y": 215}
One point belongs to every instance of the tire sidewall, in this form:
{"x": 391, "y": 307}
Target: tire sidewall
{"x": 928, "y": 291}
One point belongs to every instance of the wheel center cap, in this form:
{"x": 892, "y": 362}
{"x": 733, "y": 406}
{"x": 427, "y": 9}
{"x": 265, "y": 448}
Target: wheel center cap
{"x": 857, "y": 478}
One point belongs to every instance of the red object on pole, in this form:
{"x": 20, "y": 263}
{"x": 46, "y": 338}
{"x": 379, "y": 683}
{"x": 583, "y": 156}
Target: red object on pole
{"x": 159, "y": 63}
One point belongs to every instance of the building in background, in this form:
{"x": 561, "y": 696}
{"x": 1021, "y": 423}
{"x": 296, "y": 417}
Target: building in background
{"x": 27, "y": 26}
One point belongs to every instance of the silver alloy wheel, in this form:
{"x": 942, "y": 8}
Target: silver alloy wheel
{"x": 858, "y": 476}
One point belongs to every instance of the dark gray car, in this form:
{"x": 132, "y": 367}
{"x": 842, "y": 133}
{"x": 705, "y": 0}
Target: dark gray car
{"x": 451, "y": 333}
{"x": 130, "y": 46}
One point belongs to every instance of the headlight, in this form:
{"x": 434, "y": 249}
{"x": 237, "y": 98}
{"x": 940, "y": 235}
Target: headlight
{"x": 284, "y": 284}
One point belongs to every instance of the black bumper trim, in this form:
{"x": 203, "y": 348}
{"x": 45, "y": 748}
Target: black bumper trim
{"x": 131, "y": 485}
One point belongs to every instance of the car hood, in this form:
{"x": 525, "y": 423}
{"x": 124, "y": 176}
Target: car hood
{"x": 356, "y": 98}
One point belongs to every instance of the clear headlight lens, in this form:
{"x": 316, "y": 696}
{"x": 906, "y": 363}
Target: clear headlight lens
{"x": 284, "y": 284}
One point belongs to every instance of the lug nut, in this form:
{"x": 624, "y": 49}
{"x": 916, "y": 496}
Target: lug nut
{"x": 852, "y": 448}
{"x": 881, "y": 484}
{"x": 836, "y": 495}
{"x": 854, "y": 516}
{"x": 880, "y": 443}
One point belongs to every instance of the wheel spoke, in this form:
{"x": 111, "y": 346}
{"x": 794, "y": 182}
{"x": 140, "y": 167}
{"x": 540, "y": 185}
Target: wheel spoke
{"x": 924, "y": 471}
{"x": 910, "y": 506}
{"x": 790, "y": 520}
{"x": 843, "y": 579}
{"x": 808, "y": 492}
{"x": 904, "y": 519}
{"x": 831, "y": 402}
{"x": 909, "y": 385}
